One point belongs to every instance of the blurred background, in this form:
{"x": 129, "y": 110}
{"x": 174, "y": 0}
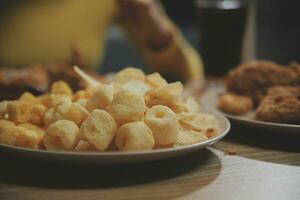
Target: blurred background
{"x": 273, "y": 32}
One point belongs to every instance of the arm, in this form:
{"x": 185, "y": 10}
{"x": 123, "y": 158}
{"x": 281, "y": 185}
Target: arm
{"x": 159, "y": 41}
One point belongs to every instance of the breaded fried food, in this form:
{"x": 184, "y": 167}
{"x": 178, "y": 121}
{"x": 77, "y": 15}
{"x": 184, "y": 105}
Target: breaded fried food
{"x": 235, "y": 104}
{"x": 255, "y": 78}
{"x": 281, "y": 104}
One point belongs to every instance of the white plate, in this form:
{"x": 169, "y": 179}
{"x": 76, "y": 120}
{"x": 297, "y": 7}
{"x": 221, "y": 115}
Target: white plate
{"x": 210, "y": 98}
{"x": 118, "y": 157}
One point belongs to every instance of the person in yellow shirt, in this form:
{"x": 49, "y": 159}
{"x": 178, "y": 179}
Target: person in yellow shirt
{"x": 48, "y": 31}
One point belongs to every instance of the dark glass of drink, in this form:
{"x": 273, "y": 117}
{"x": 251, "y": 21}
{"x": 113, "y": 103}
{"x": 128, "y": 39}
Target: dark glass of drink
{"x": 221, "y": 29}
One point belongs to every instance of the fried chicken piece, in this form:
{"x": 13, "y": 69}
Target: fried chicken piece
{"x": 281, "y": 104}
{"x": 255, "y": 78}
{"x": 235, "y": 104}
{"x": 14, "y": 82}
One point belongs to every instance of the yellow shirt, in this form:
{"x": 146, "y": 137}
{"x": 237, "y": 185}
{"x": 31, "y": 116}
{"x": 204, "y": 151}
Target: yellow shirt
{"x": 46, "y": 30}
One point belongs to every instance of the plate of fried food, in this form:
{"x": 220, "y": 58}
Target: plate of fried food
{"x": 260, "y": 94}
{"x": 133, "y": 118}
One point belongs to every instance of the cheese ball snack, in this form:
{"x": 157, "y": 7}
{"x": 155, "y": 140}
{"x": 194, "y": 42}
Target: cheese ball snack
{"x": 84, "y": 146}
{"x": 61, "y": 87}
{"x": 62, "y": 132}
{"x": 129, "y": 74}
{"x": 37, "y": 114}
{"x": 101, "y": 99}
{"x": 133, "y": 112}
{"x": 39, "y": 131}
{"x": 134, "y": 136}
{"x": 19, "y": 111}
{"x": 66, "y": 110}
{"x": 136, "y": 87}
{"x": 82, "y": 102}
{"x": 19, "y": 136}
{"x": 51, "y": 116}
{"x": 99, "y": 129}
{"x": 155, "y": 80}
{"x": 128, "y": 107}
{"x": 28, "y": 97}
{"x": 81, "y": 94}
{"x": 163, "y": 123}
{"x": 168, "y": 95}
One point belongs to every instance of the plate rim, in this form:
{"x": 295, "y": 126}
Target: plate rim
{"x": 128, "y": 153}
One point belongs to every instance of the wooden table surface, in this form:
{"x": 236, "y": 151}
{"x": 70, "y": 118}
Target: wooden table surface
{"x": 266, "y": 167}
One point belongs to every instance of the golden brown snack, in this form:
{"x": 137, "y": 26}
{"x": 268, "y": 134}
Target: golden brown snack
{"x": 155, "y": 80}
{"x": 81, "y": 94}
{"x": 255, "y": 78}
{"x": 99, "y": 129}
{"x": 235, "y": 104}
{"x": 163, "y": 123}
{"x": 19, "y": 111}
{"x": 128, "y": 107}
{"x": 37, "y": 114}
{"x": 199, "y": 122}
{"x": 168, "y": 95}
{"x": 136, "y": 87}
{"x": 84, "y": 146}
{"x": 61, "y": 87}
{"x": 134, "y": 136}
{"x": 40, "y": 131}
{"x": 128, "y": 74}
{"x": 101, "y": 98}
{"x": 187, "y": 137}
{"x": 281, "y": 104}
{"x": 28, "y": 97}
{"x": 64, "y": 131}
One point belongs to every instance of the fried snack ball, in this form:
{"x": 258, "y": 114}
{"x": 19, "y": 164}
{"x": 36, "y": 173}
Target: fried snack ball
{"x": 99, "y": 129}
{"x": 61, "y": 87}
{"x": 84, "y": 146}
{"x": 163, "y": 123}
{"x": 101, "y": 99}
{"x": 37, "y": 114}
{"x": 70, "y": 111}
{"x": 19, "y": 111}
{"x": 134, "y": 136}
{"x": 155, "y": 80}
{"x": 28, "y": 97}
{"x": 199, "y": 122}
{"x": 235, "y": 104}
{"x": 8, "y": 134}
{"x": 76, "y": 113}
{"x": 136, "y": 87}
{"x": 168, "y": 95}
{"x": 44, "y": 99}
{"x": 81, "y": 94}
{"x": 82, "y": 102}
{"x": 19, "y": 136}
{"x": 58, "y": 98}
{"x": 3, "y": 109}
{"x": 129, "y": 74}
{"x": 51, "y": 116}
{"x": 39, "y": 131}
{"x": 62, "y": 132}
{"x": 128, "y": 107}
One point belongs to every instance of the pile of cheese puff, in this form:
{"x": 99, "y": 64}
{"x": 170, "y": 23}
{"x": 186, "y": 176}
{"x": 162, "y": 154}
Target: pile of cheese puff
{"x": 133, "y": 112}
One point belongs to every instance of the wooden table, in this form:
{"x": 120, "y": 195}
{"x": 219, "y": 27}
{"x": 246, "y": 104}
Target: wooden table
{"x": 266, "y": 167}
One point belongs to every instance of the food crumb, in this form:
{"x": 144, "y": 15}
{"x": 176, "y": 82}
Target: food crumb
{"x": 230, "y": 151}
